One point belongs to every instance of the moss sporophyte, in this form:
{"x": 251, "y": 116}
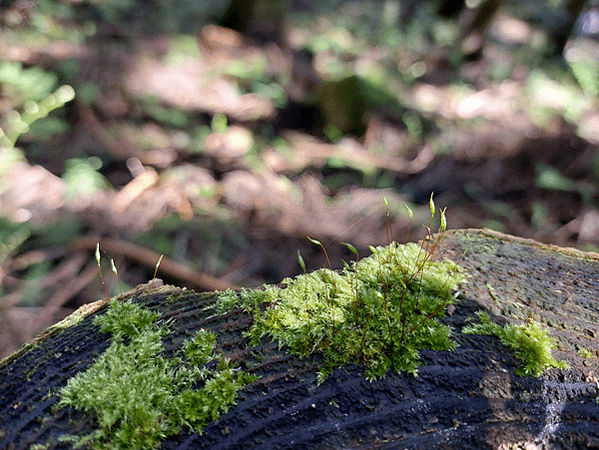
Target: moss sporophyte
{"x": 379, "y": 311}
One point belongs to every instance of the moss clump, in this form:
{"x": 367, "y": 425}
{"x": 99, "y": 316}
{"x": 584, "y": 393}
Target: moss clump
{"x": 530, "y": 343}
{"x": 379, "y": 311}
{"x": 137, "y": 395}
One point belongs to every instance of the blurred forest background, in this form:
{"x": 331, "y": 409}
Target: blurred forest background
{"x": 220, "y": 134}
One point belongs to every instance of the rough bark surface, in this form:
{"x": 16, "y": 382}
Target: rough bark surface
{"x": 469, "y": 398}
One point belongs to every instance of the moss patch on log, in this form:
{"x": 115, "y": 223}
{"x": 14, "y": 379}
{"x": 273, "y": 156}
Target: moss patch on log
{"x": 530, "y": 343}
{"x": 379, "y": 311}
{"x": 137, "y": 395}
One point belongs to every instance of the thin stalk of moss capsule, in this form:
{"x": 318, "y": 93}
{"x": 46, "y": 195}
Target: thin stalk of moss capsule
{"x": 385, "y": 286}
{"x": 434, "y": 313}
{"x": 388, "y": 230}
{"x": 428, "y": 249}
{"x": 157, "y": 265}
{"x": 411, "y": 216}
{"x": 431, "y": 249}
{"x": 389, "y": 233}
{"x": 424, "y": 245}
{"x": 326, "y": 255}
{"x": 440, "y": 232}
{"x": 118, "y": 279}
{"x": 153, "y": 283}
{"x": 100, "y": 270}
{"x": 428, "y": 245}
{"x": 357, "y": 298}
{"x": 418, "y": 270}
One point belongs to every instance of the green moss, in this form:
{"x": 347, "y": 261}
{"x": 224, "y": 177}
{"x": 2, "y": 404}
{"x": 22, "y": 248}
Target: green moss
{"x": 138, "y": 396}
{"x": 39, "y": 446}
{"x": 125, "y": 319}
{"x": 379, "y": 311}
{"x": 530, "y": 343}
{"x": 585, "y": 352}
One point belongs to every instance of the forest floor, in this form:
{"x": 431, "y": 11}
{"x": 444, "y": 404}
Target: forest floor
{"x": 223, "y": 151}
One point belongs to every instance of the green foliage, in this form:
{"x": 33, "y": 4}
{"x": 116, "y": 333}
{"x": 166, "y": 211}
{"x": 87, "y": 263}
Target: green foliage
{"x": 170, "y": 117}
{"x": 530, "y": 343}
{"x": 125, "y": 319}
{"x": 253, "y": 77}
{"x": 199, "y": 349}
{"x": 586, "y": 73}
{"x": 550, "y": 178}
{"x": 379, "y": 311}
{"x": 82, "y": 178}
{"x": 248, "y": 299}
{"x": 29, "y": 99}
{"x": 585, "y": 352}
{"x": 137, "y": 395}
{"x": 26, "y": 84}
{"x": 11, "y": 238}
{"x": 9, "y": 157}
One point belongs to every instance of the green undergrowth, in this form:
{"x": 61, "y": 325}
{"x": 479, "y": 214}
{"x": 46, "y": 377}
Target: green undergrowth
{"x": 379, "y": 311}
{"x": 137, "y": 395}
{"x": 531, "y": 344}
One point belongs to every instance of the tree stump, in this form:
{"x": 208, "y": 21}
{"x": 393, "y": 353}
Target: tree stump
{"x": 467, "y": 398}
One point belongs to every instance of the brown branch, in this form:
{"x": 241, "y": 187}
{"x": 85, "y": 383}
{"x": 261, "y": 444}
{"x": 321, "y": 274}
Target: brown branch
{"x": 63, "y": 272}
{"x": 64, "y": 294}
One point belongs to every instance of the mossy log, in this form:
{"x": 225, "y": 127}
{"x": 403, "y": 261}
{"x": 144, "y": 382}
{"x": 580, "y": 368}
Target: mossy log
{"x": 467, "y": 398}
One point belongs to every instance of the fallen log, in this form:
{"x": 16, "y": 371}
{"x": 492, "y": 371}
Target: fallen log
{"x": 469, "y": 397}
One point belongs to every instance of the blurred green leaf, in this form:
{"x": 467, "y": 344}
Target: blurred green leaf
{"x": 32, "y": 289}
{"x": 43, "y": 130}
{"x": 168, "y": 116}
{"x": 61, "y": 232}
{"x": 82, "y": 178}
{"x": 29, "y": 99}
{"x": 25, "y": 84}
{"x": 11, "y": 237}
{"x": 219, "y": 123}
{"x": 550, "y": 178}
